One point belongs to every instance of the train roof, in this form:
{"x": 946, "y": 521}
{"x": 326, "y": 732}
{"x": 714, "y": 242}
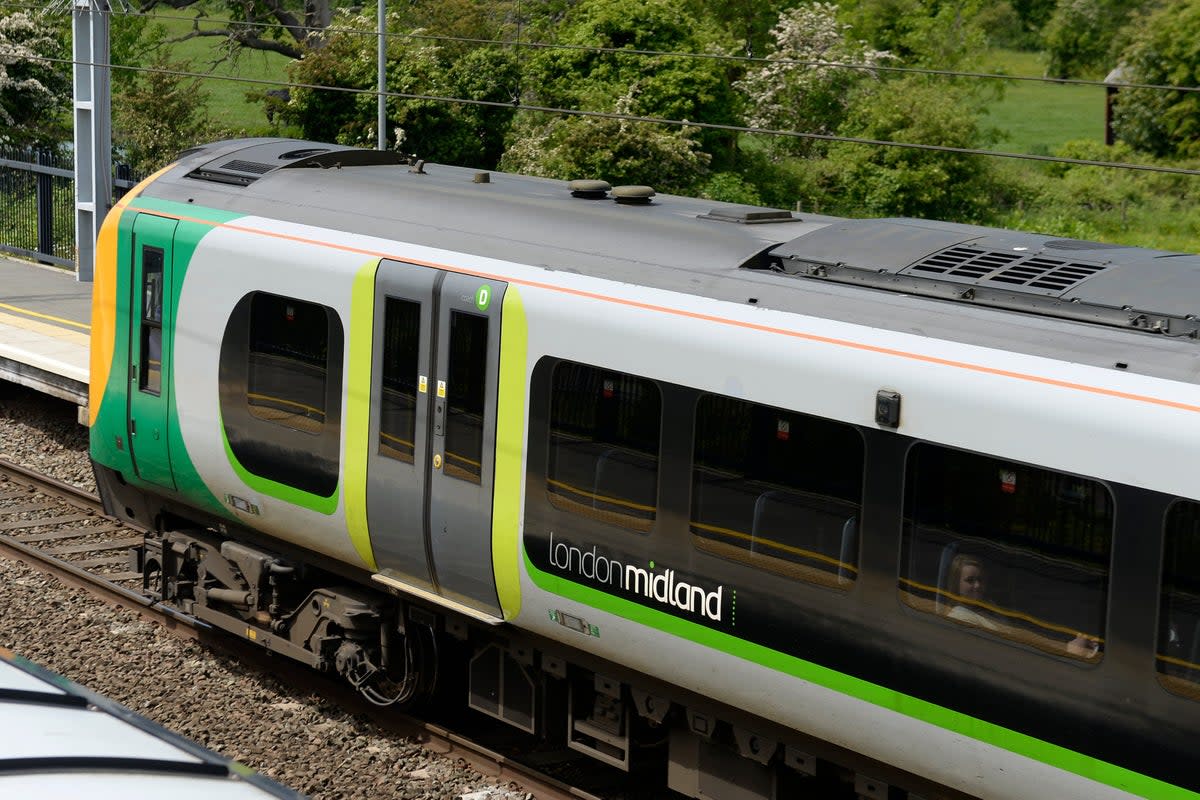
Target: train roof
{"x": 60, "y": 740}
{"x": 980, "y": 285}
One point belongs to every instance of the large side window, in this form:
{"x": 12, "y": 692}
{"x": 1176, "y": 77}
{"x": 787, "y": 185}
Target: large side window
{"x": 289, "y": 350}
{"x": 1179, "y": 618}
{"x": 779, "y": 490}
{"x": 280, "y": 390}
{"x": 604, "y": 443}
{"x": 1007, "y": 548}
{"x": 466, "y": 378}
{"x": 150, "y": 379}
{"x": 398, "y": 401}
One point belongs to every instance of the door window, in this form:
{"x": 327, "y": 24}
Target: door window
{"x": 398, "y": 401}
{"x": 466, "y": 391}
{"x": 150, "y": 374}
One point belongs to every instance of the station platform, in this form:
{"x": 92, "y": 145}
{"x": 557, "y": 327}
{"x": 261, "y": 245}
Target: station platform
{"x": 45, "y": 317}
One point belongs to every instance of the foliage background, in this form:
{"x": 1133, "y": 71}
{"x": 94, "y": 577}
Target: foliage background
{"x": 467, "y": 49}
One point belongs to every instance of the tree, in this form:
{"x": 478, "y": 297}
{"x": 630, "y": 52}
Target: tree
{"x": 276, "y": 26}
{"x": 160, "y": 113}
{"x": 675, "y": 87}
{"x": 1162, "y": 52}
{"x": 615, "y": 150}
{"x": 591, "y": 74}
{"x": 871, "y": 180}
{"x": 468, "y": 133}
{"x": 797, "y": 89}
{"x": 1079, "y": 35}
{"x": 35, "y": 94}
{"x": 942, "y": 34}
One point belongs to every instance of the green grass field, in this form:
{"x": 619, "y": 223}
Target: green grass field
{"x": 1039, "y": 117}
{"x": 228, "y": 106}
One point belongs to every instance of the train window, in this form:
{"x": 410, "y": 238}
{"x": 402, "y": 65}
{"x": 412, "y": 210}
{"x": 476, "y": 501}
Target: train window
{"x": 150, "y": 375}
{"x": 1178, "y": 656}
{"x": 289, "y": 351}
{"x": 776, "y": 489}
{"x": 398, "y": 402}
{"x": 604, "y": 442}
{"x": 1010, "y": 549}
{"x": 280, "y": 386}
{"x": 466, "y": 383}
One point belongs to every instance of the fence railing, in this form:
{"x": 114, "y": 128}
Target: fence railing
{"x": 37, "y": 203}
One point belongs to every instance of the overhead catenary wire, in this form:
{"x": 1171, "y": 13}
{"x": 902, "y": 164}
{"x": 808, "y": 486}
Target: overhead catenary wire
{"x": 517, "y": 105}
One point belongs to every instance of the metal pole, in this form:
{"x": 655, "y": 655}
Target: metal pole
{"x": 93, "y": 129}
{"x": 381, "y": 120}
{"x": 45, "y": 204}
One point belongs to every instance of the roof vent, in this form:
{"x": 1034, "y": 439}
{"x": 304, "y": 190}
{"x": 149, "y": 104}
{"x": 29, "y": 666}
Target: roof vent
{"x": 748, "y": 216}
{"x": 590, "y": 190}
{"x": 632, "y": 195}
{"x": 1007, "y": 267}
{"x": 238, "y": 165}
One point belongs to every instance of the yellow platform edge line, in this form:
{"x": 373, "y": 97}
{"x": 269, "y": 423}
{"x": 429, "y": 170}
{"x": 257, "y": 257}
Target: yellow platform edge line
{"x": 25, "y": 312}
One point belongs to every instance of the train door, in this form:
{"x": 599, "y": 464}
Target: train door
{"x": 430, "y": 470}
{"x": 149, "y": 358}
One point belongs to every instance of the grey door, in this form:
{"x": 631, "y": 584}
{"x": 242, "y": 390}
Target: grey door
{"x": 433, "y": 430}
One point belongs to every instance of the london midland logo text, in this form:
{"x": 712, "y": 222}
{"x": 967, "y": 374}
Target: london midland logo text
{"x": 661, "y": 586}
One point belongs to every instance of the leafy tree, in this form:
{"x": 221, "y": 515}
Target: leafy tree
{"x": 674, "y": 87}
{"x": 747, "y": 21}
{"x": 160, "y": 113}
{"x": 1163, "y": 52}
{"x": 468, "y": 134}
{"x": 587, "y": 75}
{"x": 870, "y": 180}
{"x": 615, "y": 150}
{"x": 35, "y": 94}
{"x": 1079, "y": 35}
{"x": 795, "y": 89}
{"x": 942, "y": 34}
{"x": 1034, "y": 13}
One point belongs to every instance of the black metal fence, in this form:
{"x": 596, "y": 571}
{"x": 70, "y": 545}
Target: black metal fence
{"x": 37, "y": 203}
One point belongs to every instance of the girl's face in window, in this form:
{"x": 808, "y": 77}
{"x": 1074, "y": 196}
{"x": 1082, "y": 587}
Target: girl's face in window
{"x": 970, "y": 582}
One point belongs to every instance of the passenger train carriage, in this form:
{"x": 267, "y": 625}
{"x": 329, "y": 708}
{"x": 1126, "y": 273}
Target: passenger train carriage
{"x": 670, "y": 471}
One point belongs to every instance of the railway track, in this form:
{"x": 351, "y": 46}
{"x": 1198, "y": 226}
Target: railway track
{"x": 62, "y": 530}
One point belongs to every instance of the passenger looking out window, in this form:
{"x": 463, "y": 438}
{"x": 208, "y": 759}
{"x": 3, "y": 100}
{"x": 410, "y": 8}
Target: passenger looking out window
{"x": 967, "y": 587}
{"x": 1014, "y": 550}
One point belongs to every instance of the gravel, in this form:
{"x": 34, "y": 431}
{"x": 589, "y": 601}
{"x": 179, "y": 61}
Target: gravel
{"x": 296, "y": 738}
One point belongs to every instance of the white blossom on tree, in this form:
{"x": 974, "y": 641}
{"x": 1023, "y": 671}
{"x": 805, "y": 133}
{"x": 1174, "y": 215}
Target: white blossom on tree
{"x": 32, "y": 88}
{"x": 801, "y": 86}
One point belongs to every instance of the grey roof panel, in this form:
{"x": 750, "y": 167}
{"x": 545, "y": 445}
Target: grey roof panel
{"x": 1127, "y": 287}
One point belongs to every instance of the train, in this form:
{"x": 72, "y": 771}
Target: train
{"x": 764, "y": 499}
{"x": 62, "y": 741}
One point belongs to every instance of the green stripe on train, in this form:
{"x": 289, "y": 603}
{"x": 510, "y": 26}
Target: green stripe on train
{"x": 112, "y": 421}
{"x": 957, "y": 722}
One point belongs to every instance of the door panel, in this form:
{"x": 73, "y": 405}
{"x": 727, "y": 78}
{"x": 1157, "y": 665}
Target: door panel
{"x": 464, "y": 436}
{"x": 432, "y": 443}
{"x": 150, "y": 316}
{"x": 398, "y": 450}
